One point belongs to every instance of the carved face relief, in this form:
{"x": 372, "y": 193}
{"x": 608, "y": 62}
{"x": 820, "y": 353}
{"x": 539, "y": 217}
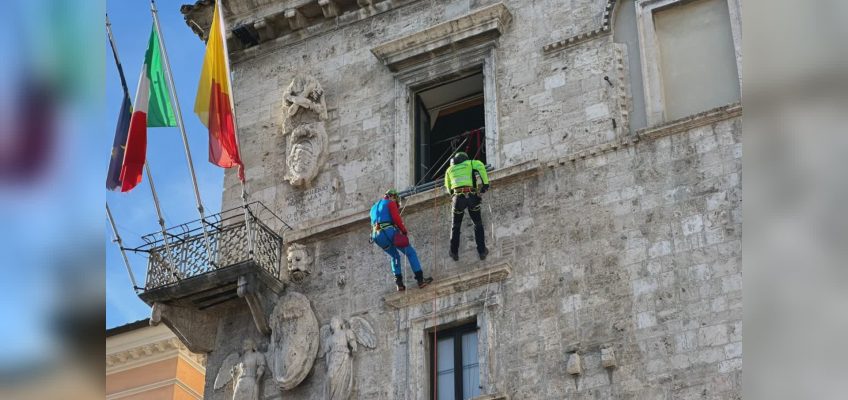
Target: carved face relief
{"x": 307, "y": 149}
{"x": 298, "y": 262}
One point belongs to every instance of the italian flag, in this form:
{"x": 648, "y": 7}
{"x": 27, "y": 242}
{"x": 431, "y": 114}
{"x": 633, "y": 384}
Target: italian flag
{"x": 152, "y": 109}
{"x": 213, "y": 105}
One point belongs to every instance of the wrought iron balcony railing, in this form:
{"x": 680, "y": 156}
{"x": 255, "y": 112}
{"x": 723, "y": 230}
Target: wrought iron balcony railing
{"x": 221, "y": 241}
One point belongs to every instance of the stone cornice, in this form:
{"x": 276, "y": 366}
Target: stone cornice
{"x": 485, "y": 24}
{"x": 667, "y": 129}
{"x": 582, "y": 37}
{"x": 152, "y": 352}
{"x": 455, "y": 284}
{"x": 332, "y": 224}
{"x": 687, "y": 123}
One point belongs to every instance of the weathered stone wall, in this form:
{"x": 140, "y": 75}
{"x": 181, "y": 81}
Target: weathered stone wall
{"x": 634, "y": 247}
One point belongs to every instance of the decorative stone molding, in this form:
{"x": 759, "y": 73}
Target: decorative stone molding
{"x": 492, "y": 397}
{"x": 672, "y": 128}
{"x": 586, "y": 36}
{"x": 329, "y": 8}
{"x": 621, "y": 89}
{"x": 295, "y": 19}
{"x": 328, "y": 225}
{"x": 476, "y": 301}
{"x": 152, "y": 352}
{"x": 275, "y": 27}
{"x": 485, "y": 24}
{"x": 691, "y": 122}
{"x": 443, "y": 287}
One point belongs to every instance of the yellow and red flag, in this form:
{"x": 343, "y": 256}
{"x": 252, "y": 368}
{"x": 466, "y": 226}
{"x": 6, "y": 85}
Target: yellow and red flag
{"x": 213, "y": 104}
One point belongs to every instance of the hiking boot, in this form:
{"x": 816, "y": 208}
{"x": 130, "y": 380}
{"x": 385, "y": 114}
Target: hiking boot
{"x": 399, "y": 283}
{"x": 424, "y": 282}
{"x": 484, "y": 253}
{"x": 401, "y": 288}
{"x": 454, "y": 256}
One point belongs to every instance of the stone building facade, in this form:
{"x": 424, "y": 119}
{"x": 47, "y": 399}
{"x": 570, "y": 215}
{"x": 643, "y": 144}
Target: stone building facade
{"x": 612, "y": 130}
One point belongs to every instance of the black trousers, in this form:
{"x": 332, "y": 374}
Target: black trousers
{"x": 460, "y": 204}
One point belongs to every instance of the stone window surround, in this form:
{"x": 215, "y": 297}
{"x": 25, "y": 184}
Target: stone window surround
{"x": 420, "y": 327}
{"x": 444, "y": 51}
{"x": 481, "y": 58}
{"x": 472, "y": 295}
{"x": 649, "y": 48}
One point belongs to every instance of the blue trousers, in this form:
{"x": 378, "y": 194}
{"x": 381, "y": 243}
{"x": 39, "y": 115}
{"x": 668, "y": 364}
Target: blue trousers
{"x": 384, "y": 239}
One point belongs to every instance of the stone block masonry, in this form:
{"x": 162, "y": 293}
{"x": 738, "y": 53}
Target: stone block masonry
{"x": 618, "y": 255}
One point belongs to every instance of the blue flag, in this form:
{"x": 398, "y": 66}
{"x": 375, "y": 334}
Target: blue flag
{"x": 113, "y": 177}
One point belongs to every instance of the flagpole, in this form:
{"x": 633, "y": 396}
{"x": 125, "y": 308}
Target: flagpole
{"x": 115, "y": 53}
{"x": 170, "y": 78}
{"x": 232, "y": 96}
{"x": 168, "y": 257}
{"x": 120, "y": 243}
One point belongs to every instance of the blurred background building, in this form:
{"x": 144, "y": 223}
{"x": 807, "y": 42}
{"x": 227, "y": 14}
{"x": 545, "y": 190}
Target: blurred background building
{"x": 148, "y": 362}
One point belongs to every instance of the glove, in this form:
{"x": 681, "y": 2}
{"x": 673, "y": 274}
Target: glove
{"x": 484, "y": 188}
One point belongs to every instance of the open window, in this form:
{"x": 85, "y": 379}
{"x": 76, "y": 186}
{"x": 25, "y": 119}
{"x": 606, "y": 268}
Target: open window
{"x": 455, "y": 363}
{"x": 449, "y": 117}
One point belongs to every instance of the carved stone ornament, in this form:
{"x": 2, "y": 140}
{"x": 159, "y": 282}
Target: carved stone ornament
{"x": 305, "y": 113}
{"x": 339, "y": 340}
{"x": 246, "y": 370}
{"x": 298, "y": 261}
{"x": 294, "y": 340}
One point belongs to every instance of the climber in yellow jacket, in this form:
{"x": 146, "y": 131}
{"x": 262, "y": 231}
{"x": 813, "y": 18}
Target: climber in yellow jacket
{"x": 461, "y": 183}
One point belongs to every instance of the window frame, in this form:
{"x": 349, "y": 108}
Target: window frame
{"x": 456, "y": 333}
{"x": 417, "y": 135}
{"x": 650, "y": 53}
{"x": 464, "y": 62}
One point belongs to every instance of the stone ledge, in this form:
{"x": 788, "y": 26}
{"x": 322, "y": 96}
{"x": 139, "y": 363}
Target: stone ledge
{"x": 693, "y": 121}
{"x": 455, "y": 284}
{"x": 417, "y": 201}
{"x": 492, "y": 397}
{"x": 478, "y": 26}
{"x": 671, "y": 128}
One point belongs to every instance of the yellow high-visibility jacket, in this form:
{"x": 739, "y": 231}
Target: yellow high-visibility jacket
{"x": 462, "y": 174}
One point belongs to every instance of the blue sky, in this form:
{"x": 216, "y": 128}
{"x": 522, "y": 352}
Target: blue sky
{"x": 134, "y": 211}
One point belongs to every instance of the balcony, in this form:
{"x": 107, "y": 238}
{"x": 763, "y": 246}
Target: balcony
{"x": 197, "y": 265}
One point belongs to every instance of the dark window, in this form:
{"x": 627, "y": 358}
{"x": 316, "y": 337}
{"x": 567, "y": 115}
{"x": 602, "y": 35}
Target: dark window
{"x": 454, "y": 363}
{"x": 449, "y": 117}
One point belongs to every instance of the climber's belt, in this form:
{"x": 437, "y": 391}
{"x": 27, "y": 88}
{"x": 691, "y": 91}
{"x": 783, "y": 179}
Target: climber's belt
{"x": 464, "y": 191}
{"x": 382, "y": 225}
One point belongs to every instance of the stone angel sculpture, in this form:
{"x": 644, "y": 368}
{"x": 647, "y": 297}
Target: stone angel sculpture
{"x": 246, "y": 370}
{"x": 339, "y": 340}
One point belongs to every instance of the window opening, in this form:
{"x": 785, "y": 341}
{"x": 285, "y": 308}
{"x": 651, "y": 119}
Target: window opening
{"x": 697, "y": 57}
{"x": 457, "y": 367}
{"x": 449, "y": 117}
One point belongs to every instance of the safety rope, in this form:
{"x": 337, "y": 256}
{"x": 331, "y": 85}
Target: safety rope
{"x": 435, "y": 318}
{"x": 449, "y": 151}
